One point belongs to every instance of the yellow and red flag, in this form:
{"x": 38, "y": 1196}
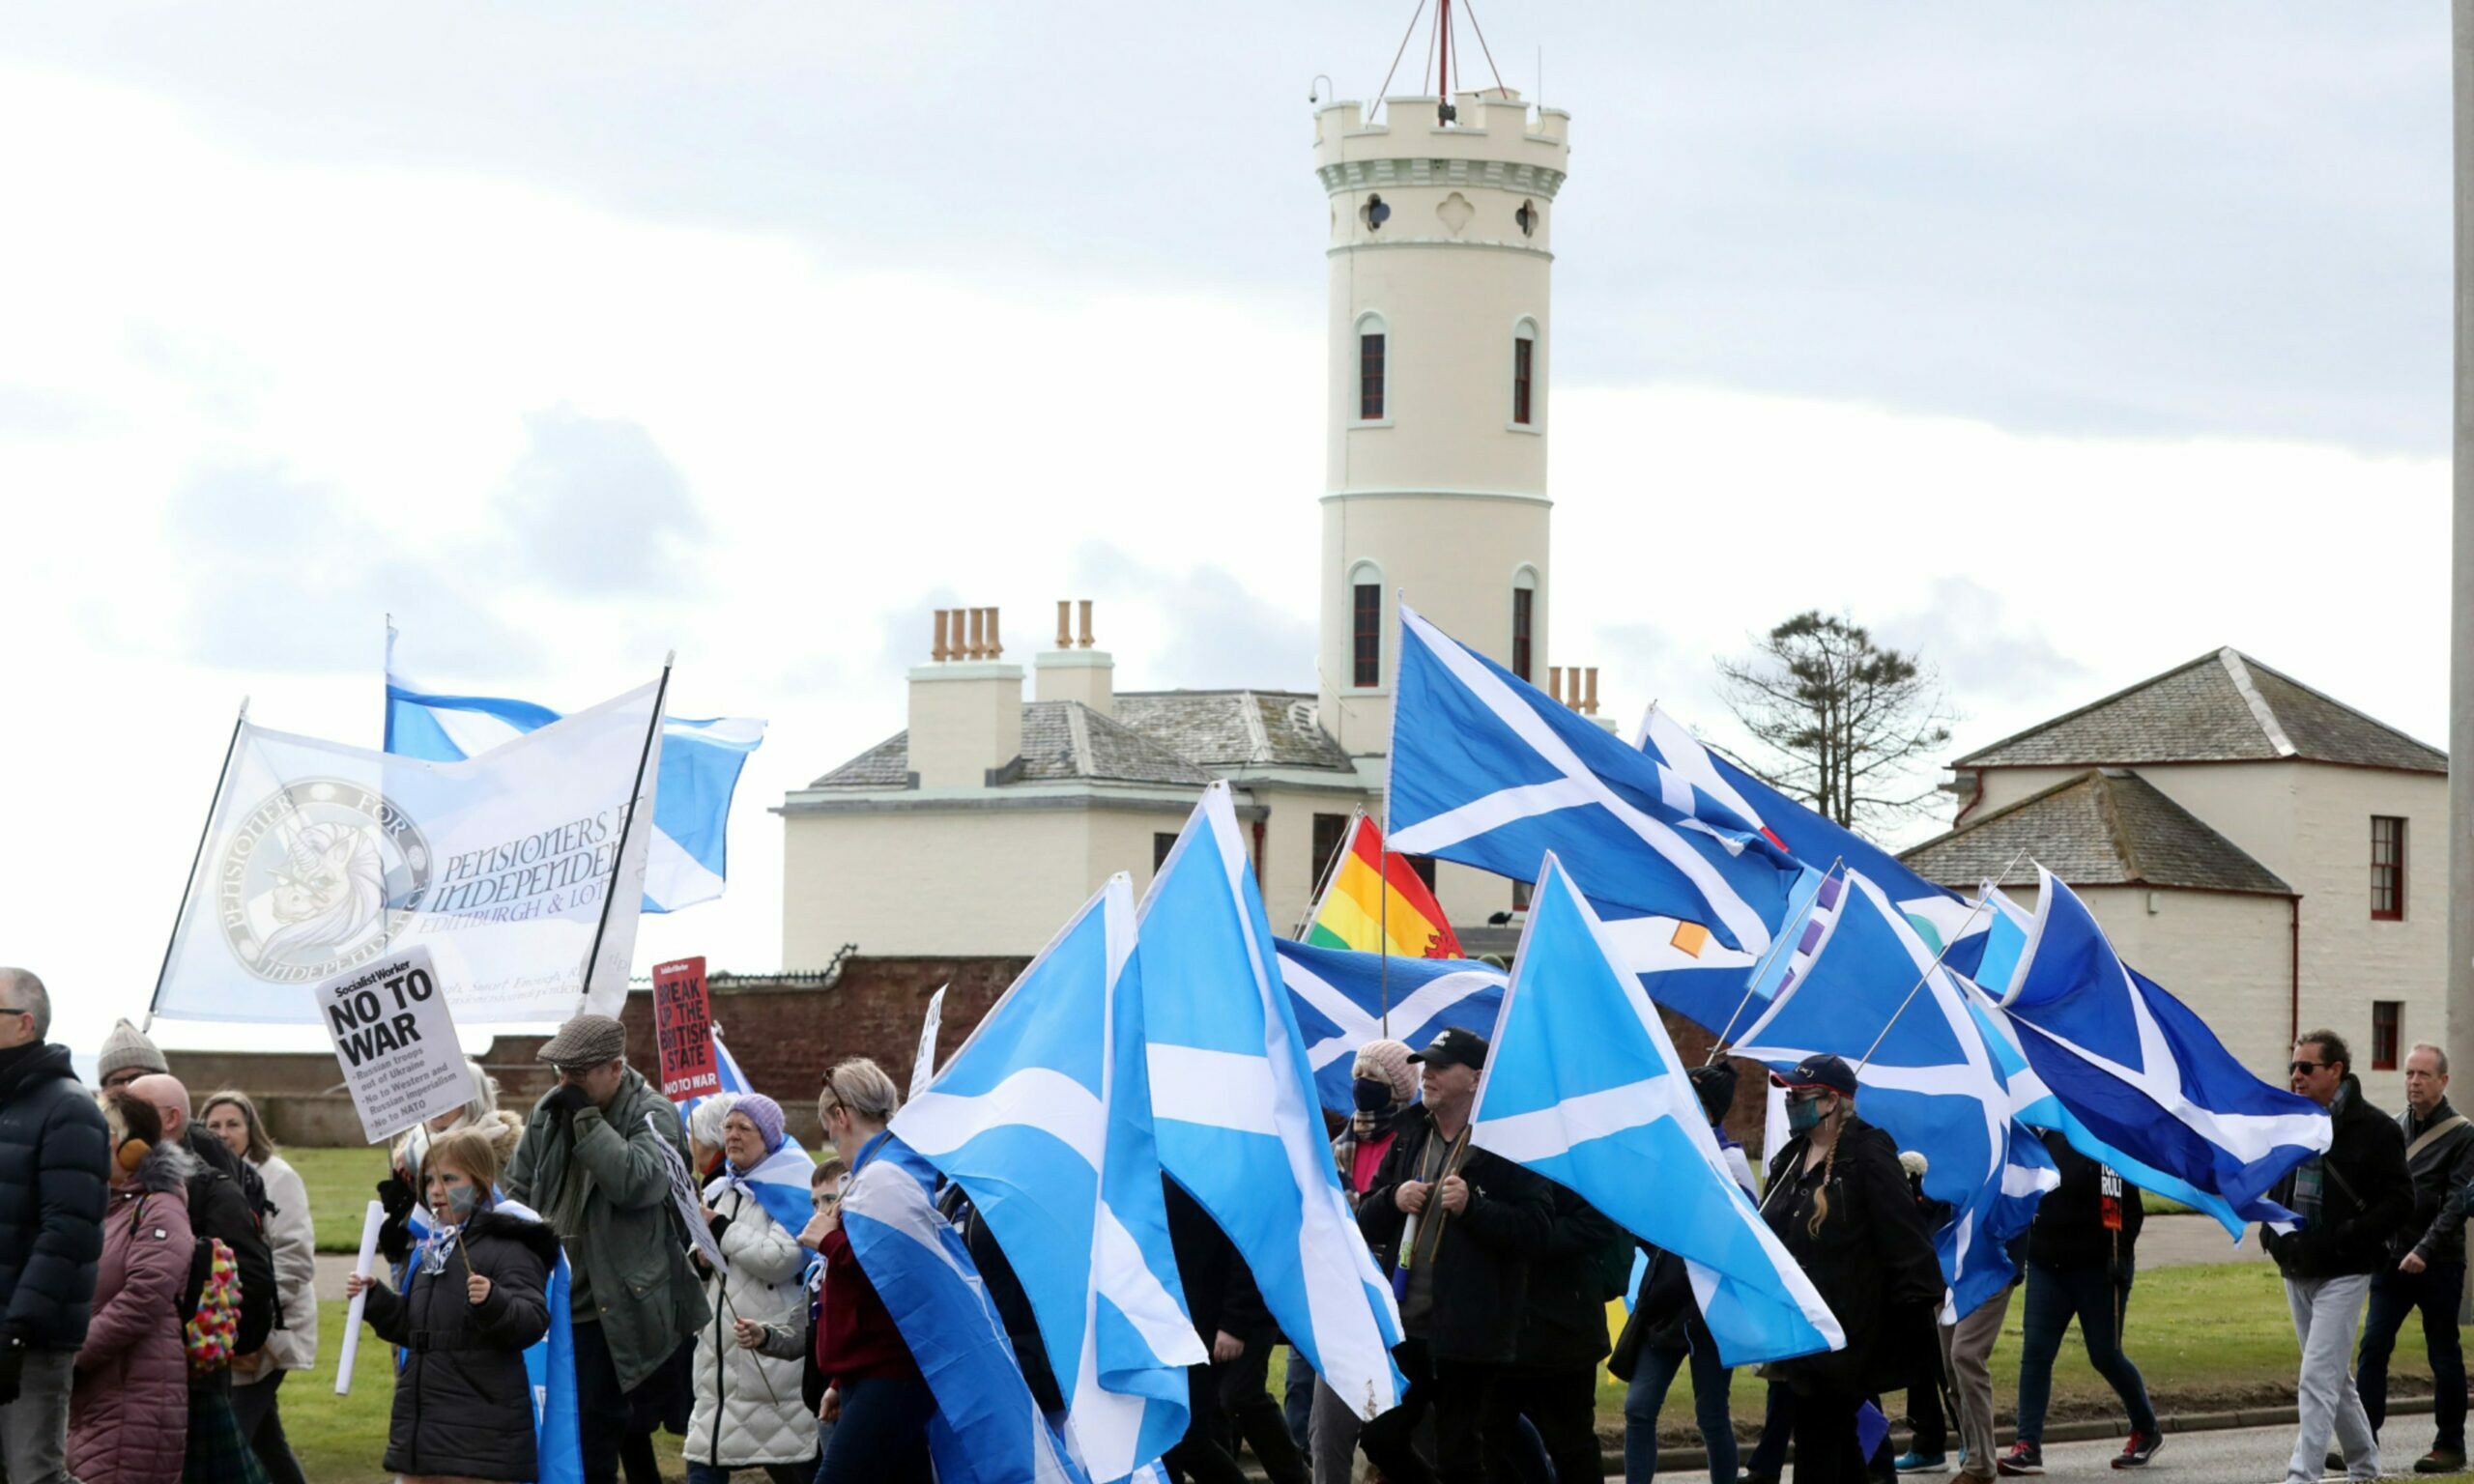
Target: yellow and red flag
{"x": 1376, "y": 903}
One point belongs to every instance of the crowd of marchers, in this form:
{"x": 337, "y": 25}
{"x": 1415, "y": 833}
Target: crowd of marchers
{"x": 156, "y": 1266}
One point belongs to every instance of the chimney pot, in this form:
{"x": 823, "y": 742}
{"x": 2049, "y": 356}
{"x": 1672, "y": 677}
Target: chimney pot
{"x": 941, "y": 653}
{"x": 996, "y": 645}
{"x": 1065, "y": 623}
{"x": 1591, "y": 706}
{"x": 1555, "y": 681}
{"x": 1086, "y": 624}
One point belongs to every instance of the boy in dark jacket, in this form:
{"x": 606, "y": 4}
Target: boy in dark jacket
{"x": 54, "y": 1175}
{"x": 2082, "y": 1252}
{"x": 1457, "y": 1226}
{"x": 475, "y": 1299}
{"x": 2351, "y": 1199}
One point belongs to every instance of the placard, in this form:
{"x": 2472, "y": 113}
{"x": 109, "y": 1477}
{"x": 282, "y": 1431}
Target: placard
{"x": 396, "y": 1041}
{"x": 683, "y": 1031}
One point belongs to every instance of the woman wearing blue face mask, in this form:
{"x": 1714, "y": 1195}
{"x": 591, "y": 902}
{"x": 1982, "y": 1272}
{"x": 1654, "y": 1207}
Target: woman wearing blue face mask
{"x": 472, "y": 1300}
{"x": 1839, "y": 1202}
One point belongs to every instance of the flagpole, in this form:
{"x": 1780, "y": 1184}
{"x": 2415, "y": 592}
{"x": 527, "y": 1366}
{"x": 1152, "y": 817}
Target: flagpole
{"x": 1331, "y": 870}
{"x": 1778, "y": 944}
{"x": 1383, "y": 930}
{"x": 653, "y": 730}
{"x": 1983, "y": 901}
{"x": 221, "y": 776}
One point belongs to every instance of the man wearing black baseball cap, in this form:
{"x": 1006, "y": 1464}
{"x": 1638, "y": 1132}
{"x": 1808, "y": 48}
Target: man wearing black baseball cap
{"x": 1457, "y": 1225}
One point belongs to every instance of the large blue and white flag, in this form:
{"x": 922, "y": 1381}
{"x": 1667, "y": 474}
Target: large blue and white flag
{"x": 1234, "y": 1108}
{"x": 2145, "y": 1076}
{"x": 987, "y": 1428}
{"x": 1043, "y": 1118}
{"x": 688, "y": 852}
{"x": 1583, "y": 1086}
{"x": 548, "y": 1362}
{"x": 510, "y": 869}
{"x": 1928, "y": 1079}
{"x": 1707, "y": 787}
{"x": 1343, "y": 998}
{"x": 1490, "y": 771}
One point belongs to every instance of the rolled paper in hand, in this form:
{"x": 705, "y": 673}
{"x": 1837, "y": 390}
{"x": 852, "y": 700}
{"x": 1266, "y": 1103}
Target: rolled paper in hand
{"x": 370, "y": 1222}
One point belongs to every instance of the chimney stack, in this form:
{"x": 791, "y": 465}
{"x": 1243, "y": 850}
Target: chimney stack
{"x": 965, "y": 706}
{"x": 1077, "y": 672}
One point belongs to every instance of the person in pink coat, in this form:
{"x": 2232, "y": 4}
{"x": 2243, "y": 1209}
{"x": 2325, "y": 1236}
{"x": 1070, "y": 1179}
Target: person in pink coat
{"x": 129, "y": 1409}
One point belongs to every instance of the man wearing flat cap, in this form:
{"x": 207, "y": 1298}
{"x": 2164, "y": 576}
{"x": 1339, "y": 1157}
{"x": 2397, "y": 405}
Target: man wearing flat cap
{"x": 1457, "y": 1225}
{"x": 591, "y": 1162}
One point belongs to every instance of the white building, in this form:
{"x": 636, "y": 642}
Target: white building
{"x": 2272, "y": 856}
{"x": 981, "y": 826}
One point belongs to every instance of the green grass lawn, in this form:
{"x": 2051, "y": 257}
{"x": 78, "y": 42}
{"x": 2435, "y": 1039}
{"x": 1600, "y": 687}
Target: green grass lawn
{"x": 342, "y": 1440}
{"x": 343, "y": 1182}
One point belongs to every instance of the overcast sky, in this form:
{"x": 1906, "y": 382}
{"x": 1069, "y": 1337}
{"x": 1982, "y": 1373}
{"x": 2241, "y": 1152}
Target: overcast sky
{"x": 2061, "y": 343}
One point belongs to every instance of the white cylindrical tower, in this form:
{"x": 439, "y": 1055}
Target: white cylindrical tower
{"x": 1440, "y": 345}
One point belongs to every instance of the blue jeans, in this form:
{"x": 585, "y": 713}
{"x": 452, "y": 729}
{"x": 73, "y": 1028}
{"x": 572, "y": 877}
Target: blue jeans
{"x": 882, "y": 1433}
{"x": 2096, "y": 1297}
{"x": 2395, "y": 1295}
{"x": 1651, "y": 1375}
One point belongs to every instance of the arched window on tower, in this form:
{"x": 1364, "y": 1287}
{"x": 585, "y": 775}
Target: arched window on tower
{"x": 1365, "y": 625}
{"x": 1524, "y": 370}
{"x": 1524, "y": 620}
{"x": 1371, "y": 363}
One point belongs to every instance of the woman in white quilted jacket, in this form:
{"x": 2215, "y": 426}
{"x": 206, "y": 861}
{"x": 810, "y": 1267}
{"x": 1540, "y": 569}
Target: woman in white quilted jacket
{"x": 292, "y": 1344}
{"x": 749, "y": 1413}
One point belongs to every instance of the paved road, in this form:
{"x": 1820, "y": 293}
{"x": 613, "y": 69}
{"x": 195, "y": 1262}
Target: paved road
{"x": 2184, "y": 1241}
{"x": 2238, "y": 1456}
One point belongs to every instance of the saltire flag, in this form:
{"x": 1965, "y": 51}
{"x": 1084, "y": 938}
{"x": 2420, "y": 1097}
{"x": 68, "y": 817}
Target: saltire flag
{"x": 779, "y": 1182}
{"x": 1707, "y": 787}
{"x": 1583, "y": 1086}
{"x": 987, "y": 1428}
{"x": 688, "y": 853}
{"x": 510, "y": 869}
{"x": 2144, "y": 1075}
{"x": 1928, "y": 1080}
{"x": 1490, "y": 771}
{"x": 1375, "y": 902}
{"x": 1342, "y": 1000}
{"x": 548, "y": 1362}
{"x": 1043, "y": 1118}
{"x": 1234, "y": 1109}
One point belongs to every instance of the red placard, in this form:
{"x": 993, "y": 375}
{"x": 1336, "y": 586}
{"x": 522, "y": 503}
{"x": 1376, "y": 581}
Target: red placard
{"x": 683, "y": 1031}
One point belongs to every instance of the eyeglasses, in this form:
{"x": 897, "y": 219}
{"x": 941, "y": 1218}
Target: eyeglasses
{"x": 2310, "y": 1066}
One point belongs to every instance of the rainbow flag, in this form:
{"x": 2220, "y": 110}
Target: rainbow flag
{"x": 1354, "y": 913}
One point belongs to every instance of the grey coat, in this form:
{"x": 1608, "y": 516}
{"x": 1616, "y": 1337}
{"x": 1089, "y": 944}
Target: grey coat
{"x": 631, "y": 1249}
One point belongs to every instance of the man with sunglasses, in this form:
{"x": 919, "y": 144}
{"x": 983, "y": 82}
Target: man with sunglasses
{"x": 54, "y": 1165}
{"x": 2351, "y": 1199}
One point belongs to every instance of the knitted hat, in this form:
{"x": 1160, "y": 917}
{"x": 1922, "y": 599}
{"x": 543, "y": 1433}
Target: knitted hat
{"x": 1388, "y": 1060}
{"x": 765, "y": 1114}
{"x": 128, "y": 1046}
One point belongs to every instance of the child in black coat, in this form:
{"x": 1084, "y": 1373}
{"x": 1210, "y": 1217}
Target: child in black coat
{"x": 475, "y": 1298}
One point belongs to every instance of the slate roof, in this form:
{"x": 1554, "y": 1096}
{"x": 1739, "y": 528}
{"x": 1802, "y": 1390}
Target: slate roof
{"x": 2220, "y": 708}
{"x": 1234, "y": 729}
{"x": 2104, "y": 827}
{"x": 1062, "y": 741}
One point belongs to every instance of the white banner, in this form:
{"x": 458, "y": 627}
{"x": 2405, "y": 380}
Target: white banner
{"x": 322, "y": 860}
{"x": 396, "y": 1044}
